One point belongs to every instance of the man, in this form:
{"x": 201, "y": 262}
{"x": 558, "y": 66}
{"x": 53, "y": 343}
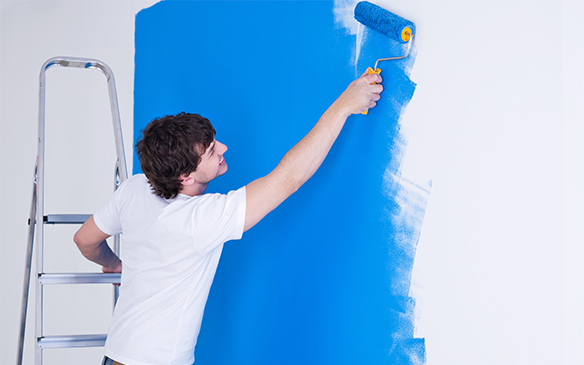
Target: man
{"x": 174, "y": 232}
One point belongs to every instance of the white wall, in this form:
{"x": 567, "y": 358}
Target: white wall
{"x": 80, "y": 153}
{"x": 497, "y": 122}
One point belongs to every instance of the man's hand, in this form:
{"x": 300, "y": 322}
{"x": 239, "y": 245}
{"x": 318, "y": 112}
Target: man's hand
{"x": 109, "y": 269}
{"x": 362, "y": 94}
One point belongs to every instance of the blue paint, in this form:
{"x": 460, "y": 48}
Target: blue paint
{"x": 314, "y": 282}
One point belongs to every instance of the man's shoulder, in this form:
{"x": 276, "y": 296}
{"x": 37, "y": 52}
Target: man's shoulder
{"x": 135, "y": 180}
{"x": 135, "y": 184}
{"x": 138, "y": 177}
{"x": 230, "y": 195}
{"x": 232, "y": 201}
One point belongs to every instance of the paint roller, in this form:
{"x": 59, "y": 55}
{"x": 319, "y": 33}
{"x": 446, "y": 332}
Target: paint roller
{"x": 396, "y": 28}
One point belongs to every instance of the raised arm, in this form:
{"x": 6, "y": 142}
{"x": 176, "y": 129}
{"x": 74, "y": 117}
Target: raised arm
{"x": 91, "y": 242}
{"x": 301, "y": 162}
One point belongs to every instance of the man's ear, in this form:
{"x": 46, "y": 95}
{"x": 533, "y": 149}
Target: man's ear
{"x": 186, "y": 180}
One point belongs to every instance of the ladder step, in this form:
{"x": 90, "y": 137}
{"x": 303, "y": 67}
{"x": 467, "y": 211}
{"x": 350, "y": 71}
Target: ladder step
{"x": 80, "y": 278}
{"x": 62, "y": 342}
{"x": 66, "y": 218}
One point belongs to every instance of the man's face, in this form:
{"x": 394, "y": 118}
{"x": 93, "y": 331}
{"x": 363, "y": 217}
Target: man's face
{"x": 212, "y": 163}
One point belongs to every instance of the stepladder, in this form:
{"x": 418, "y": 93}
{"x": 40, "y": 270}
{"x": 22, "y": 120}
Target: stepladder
{"x": 36, "y": 274}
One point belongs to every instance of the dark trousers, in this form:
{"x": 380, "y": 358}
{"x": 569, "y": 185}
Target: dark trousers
{"x": 108, "y": 361}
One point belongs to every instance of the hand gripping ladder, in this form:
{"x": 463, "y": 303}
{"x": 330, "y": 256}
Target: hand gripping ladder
{"x": 37, "y": 216}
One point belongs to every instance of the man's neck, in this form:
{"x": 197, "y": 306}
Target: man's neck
{"x": 194, "y": 190}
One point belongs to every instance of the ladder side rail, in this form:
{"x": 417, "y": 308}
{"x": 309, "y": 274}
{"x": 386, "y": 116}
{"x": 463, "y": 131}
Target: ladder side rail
{"x": 56, "y": 61}
{"x": 27, "y": 269}
{"x": 121, "y": 166}
{"x": 119, "y": 178}
{"x": 121, "y": 171}
{"x": 39, "y": 248}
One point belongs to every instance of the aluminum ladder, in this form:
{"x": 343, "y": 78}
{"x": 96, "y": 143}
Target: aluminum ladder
{"x": 38, "y": 217}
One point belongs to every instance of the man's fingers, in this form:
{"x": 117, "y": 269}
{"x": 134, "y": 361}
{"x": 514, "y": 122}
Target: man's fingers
{"x": 372, "y": 79}
{"x": 376, "y": 88}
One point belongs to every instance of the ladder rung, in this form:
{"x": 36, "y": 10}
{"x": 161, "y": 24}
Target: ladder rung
{"x": 66, "y": 218}
{"x": 62, "y": 342}
{"x": 80, "y": 278}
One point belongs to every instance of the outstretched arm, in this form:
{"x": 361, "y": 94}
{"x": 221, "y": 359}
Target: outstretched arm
{"x": 301, "y": 162}
{"x": 91, "y": 242}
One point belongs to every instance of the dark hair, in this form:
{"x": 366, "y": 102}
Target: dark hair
{"x": 171, "y": 146}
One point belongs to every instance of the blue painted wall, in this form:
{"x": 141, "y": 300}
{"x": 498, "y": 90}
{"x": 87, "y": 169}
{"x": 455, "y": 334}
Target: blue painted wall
{"x": 321, "y": 279}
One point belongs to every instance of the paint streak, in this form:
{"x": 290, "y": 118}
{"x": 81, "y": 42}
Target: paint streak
{"x": 325, "y": 278}
{"x": 343, "y": 11}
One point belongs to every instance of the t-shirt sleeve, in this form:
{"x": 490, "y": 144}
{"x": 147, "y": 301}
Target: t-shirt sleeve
{"x": 107, "y": 217}
{"x": 221, "y": 219}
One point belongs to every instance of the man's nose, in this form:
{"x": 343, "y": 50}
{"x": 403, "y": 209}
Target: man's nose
{"x": 222, "y": 148}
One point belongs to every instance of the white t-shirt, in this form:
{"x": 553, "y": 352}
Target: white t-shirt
{"x": 170, "y": 253}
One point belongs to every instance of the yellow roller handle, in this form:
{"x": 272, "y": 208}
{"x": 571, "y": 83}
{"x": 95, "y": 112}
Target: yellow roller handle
{"x": 369, "y": 72}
